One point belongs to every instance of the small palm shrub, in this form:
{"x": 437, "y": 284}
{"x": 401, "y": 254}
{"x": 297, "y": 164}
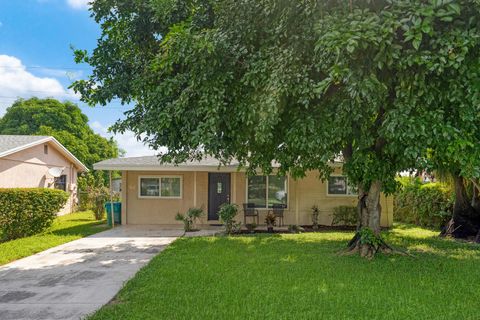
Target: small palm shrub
{"x": 270, "y": 220}
{"x": 227, "y": 215}
{"x": 189, "y": 218}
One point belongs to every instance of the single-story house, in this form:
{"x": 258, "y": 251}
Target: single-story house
{"x": 153, "y": 193}
{"x": 39, "y": 162}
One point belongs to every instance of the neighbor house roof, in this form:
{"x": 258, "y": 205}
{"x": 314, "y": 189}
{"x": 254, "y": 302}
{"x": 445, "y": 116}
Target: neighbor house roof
{"x": 152, "y": 163}
{"x": 14, "y": 143}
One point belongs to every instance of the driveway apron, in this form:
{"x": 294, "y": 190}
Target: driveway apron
{"x": 75, "y": 279}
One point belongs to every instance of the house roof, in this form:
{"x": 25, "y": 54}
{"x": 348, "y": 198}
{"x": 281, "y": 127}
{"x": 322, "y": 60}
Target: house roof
{"x": 14, "y": 143}
{"x": 152, "y": 163}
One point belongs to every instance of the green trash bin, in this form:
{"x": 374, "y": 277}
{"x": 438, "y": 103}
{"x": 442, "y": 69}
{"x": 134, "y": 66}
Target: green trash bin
{"x": 117, "y": 212}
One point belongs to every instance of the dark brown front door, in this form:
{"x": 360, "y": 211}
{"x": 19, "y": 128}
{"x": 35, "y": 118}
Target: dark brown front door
{"x": 218, "y": 193}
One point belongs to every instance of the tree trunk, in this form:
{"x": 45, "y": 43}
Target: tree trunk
{"x": 465, "y": 221}
{"x": 369, "y": 212}
{"x": 476, "y": 197}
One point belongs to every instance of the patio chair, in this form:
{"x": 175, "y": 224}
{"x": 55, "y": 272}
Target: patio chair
{"x": 250, "y": 211}
{"x": 278, "y": 210}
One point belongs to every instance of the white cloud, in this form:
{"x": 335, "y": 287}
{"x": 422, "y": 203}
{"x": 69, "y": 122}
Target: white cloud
{"x": 126, "y": 141}
{"x": 79, "y": 4}
{"x": 17, "y": 82}
{"x": 60, "y": 73}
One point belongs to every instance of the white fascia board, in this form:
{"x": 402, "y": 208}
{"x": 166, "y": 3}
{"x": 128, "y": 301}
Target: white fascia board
{"x": 111, "y": 167}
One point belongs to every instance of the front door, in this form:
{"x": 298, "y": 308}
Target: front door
{"x": 218, "y": 193}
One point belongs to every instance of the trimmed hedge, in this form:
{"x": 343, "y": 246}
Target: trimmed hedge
{"x": 426, "y": 205}
{"x": 28, "y": 211}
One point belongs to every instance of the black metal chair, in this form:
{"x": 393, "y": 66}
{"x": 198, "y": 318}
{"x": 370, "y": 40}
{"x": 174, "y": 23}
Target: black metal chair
{"x": 250, "y": 211}
{"x": 278, "y": 210}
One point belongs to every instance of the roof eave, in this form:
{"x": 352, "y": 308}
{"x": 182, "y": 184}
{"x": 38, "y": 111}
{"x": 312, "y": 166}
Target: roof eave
{"x": 66, "y": 153}
{"x": 123, "y": 167}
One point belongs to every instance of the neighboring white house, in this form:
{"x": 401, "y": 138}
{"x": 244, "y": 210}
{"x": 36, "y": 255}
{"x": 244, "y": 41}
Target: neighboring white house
{"x": 39, "y": 162}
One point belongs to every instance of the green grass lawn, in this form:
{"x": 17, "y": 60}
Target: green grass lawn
{"x": 64, "y": 229}
{"x": 302, "y": 277}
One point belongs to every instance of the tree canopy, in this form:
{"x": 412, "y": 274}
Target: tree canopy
{"x": 387, "y": 85}
{"x": 64, "y": 121}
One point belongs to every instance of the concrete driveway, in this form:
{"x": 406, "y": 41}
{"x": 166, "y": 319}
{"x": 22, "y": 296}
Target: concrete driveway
{"x": 75, "y": 279}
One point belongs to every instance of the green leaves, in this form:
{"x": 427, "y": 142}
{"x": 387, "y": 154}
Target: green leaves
{"x": 25, "y": 212}
{"x": 64, "y": 121}
{"x": 300, "y": 83}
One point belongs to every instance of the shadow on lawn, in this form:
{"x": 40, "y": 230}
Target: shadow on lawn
{"x": 83, "y": 229}
{"x": 78, "y": 220}
{"x": 420, "y": 246}
{"x": 422, "y": 242}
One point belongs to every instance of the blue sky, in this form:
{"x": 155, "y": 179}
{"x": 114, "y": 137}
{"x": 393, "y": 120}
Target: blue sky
{"x": 36, "y": 59}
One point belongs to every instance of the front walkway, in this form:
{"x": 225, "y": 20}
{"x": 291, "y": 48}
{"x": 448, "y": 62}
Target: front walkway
{"x": 77, "y": 278}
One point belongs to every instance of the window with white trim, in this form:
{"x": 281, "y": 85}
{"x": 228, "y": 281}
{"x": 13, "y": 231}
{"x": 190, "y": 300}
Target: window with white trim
{"x": 160, "y": 187}
{"x": 267, "y": 191}
{"x": 338, "y": 185}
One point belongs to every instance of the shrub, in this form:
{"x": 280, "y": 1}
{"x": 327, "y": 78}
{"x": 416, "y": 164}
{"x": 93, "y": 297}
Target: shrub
{"x": 25, "y": 212}
{"x": 189, "y": 218}
{"x": 227, "y": 215}
{"x": 344, "y": 215}
{"x": 93, "y": 193}
{"x": 315, "y": 213}
{"x": 270, "y": 220}
{"x": 426, "y": 205}
{"x": 94, "y": 198}
{"x": 98, "y": 197}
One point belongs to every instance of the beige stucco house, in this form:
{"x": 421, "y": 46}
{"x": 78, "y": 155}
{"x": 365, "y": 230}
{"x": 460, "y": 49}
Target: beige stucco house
{"x": 29, "y": 161}
{"x": 152, "y": 193}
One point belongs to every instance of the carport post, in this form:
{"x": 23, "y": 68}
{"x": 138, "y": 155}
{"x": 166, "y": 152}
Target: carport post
{"x": 111, "y": 198}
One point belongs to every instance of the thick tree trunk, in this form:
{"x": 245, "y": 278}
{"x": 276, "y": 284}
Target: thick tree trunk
{"x": 369, "y": 213}
{"x": 465, "y": 221}
{"x": 476, "y": 196}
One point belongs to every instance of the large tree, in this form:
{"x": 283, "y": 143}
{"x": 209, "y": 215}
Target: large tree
{"x": 298, "y": 82}
{"x": 64, "y": 121}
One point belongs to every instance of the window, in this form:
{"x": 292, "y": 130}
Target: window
{"x": 266, "y": 191}
{"x": 45, "y": 148}
{"x": 160, "y": 187}
{"x": 338, "y": 185}
{"x": 60, "y": 183}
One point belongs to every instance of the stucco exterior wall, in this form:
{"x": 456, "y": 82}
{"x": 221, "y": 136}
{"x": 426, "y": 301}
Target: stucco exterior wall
{"x": 158, "y": 211}
{"x": 29, "y": 169}
{"x": 302, "y": 195}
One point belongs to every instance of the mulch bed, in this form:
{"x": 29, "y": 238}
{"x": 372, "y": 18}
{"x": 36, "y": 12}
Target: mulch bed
{"x": 306, "y": 229}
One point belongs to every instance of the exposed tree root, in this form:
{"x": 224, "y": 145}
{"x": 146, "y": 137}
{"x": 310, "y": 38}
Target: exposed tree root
{"x": 355, "y": 246}
{"x": 460, "y": 227}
